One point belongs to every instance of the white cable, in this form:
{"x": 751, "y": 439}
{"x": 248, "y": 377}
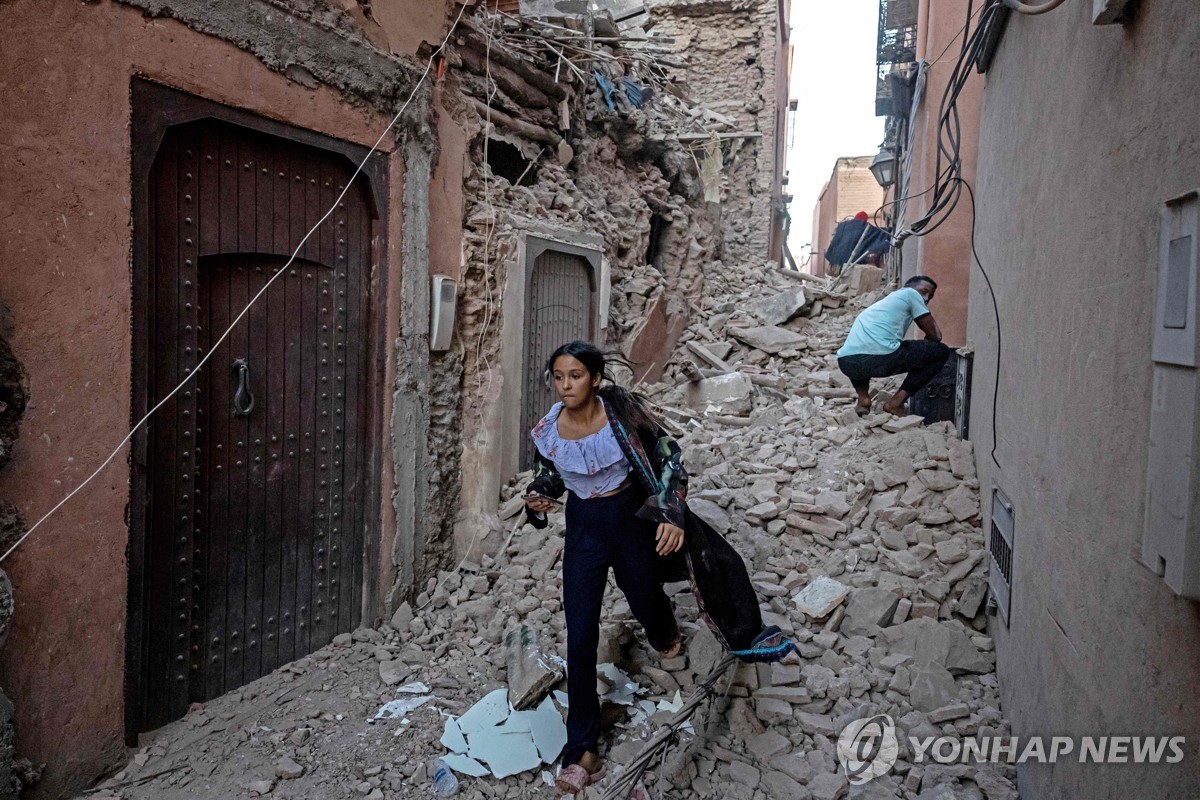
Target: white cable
{"x": 254, "y": 299}
{"x": 1026, "y": 8}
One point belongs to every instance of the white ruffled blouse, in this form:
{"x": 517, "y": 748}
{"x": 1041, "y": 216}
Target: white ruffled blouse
{"x": 589, "y": 466}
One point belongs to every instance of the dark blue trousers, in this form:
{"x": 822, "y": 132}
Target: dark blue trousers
{"x": 603, "y": 532}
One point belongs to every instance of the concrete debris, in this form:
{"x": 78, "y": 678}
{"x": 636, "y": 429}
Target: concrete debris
{"x": 722, "y": 394}
{"x": 778, "y": 309}
{"x": 860, "y": 535}
{"x": 770, "y": 338}
{"x": 532, "y": 673}
{"x": 820, "y": 597}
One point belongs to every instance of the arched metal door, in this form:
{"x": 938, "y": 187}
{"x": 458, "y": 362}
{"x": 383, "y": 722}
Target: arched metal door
{"x": 559, "y": 309}
{"x": 254, "y": 476}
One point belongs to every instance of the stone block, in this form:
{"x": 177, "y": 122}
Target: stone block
{"x": 777, "y": 785}
{"x": 948, "y": 713}
{"x": 769, "y": 338}
{"x": 829, "y": 786}
{"x": 796, "y": 695}
{"x": 796, "y": 767}
{"x": 711, "y": 513}
{"x": 863, "y": 278}
{"x": 868, "y": 610}
{"x": 903, "y": 423}
{"x": 821, "y": 596}
{"x": 818, "y": 724}
{"x": 931, "y": 687}
{"x": 779, "y": 308}
{"x": 744, "y": 774}
{"x": 962, "y": 458}
{"x": 771, "y": 710}
{"x": 974, "y": 593}
{"x": 937, "y": 480}
{"x": 711, "y": 354}
{"x": 962, "y": 503}
{"x": 703, "y": 651}
{"x": 768, "y": 744}
{"x": 728, "y": 394}
{"x": 951, "y": 551}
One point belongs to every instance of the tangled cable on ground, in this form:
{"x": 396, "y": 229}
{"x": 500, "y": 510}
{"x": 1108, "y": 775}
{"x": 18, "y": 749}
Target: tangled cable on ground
{"x": 623, "y": 784}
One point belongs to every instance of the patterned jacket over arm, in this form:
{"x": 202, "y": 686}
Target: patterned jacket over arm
{"x": 546, "y": 482}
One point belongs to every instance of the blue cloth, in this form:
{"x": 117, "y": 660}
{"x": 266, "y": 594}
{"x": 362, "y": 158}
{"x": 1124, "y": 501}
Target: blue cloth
{"x": 589, "y": 466}
{"x": 635, "y": 94}
{"x": 607, "y": 88}
{"x": 880, "y": 327}
{"x": 849, "y": 243}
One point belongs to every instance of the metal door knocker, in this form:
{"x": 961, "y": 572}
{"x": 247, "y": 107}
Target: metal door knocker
{"x": 243, "y": 400}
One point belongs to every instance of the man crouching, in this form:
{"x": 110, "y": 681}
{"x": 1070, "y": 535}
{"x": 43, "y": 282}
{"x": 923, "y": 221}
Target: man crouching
{"x": 876, "y": 347}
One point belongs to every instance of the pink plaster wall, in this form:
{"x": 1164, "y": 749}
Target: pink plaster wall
{"x": 945, "y": 254}
{"x": 65, "y": 251}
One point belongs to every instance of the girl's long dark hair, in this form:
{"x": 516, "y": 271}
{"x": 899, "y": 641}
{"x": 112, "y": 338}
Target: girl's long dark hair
{"x": 632, "y": 408}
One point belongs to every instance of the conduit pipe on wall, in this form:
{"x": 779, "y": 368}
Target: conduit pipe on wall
{"x": 1026, "y": 8}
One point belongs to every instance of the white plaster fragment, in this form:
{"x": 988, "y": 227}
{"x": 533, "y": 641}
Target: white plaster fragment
{"x": 465, "y": 765}
{"x": 452, "y": 737}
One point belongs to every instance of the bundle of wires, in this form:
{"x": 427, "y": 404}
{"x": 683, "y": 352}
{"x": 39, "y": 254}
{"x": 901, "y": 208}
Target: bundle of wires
{"x": 948, "y": 181}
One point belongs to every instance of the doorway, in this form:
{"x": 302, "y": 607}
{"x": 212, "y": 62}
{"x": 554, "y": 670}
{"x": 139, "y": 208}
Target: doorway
{"x": 252, "y": 487}
{"x": 561, "y": 307}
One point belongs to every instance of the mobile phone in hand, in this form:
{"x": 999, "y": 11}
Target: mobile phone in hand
{"x": 536, "y": 496}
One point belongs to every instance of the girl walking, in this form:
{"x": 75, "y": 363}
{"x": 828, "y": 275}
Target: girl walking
{"x": 625, "y": 511}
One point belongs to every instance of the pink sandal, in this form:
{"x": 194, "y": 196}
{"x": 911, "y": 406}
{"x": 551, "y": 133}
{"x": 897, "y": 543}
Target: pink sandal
{"x": 574, "y": 779}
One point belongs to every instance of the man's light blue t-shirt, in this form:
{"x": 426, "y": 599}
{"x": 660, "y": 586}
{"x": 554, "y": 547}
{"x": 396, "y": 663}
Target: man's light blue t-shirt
{"x": 880, "y": 327}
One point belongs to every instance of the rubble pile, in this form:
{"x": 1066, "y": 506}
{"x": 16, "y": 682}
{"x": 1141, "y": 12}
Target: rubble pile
{"x": 861, "y": 535}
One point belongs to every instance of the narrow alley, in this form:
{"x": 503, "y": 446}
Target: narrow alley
{"x": 831, "y": 368}
{"x": 863, "y": 540}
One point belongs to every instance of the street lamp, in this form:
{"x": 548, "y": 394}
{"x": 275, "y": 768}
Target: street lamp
{"x": 884, "y": 168}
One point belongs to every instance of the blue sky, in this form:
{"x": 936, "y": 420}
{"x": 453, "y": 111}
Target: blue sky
{"x": 833, "y": 78}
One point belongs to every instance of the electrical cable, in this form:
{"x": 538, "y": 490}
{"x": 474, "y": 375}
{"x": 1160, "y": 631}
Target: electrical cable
{"x": 283, "y": 271}
{"x": 946, "y": 190}
{"x": 961, "y": 31}
{"x": 999, "y": 329}
{"x": 949, "y": 183}
{"x": 1026, "y": 8}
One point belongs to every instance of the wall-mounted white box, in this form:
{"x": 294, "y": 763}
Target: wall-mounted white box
{"x": 441, "y": 317}
{"x": 1171, "y": 531}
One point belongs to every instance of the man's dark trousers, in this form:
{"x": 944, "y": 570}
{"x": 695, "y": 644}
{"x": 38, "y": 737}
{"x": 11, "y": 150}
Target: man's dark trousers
{"x": 921, "y": 359}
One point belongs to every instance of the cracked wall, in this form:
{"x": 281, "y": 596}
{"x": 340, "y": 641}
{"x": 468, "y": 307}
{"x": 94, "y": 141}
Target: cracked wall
{"x": 607, "y": 197}
{"x": 732, "y": 50}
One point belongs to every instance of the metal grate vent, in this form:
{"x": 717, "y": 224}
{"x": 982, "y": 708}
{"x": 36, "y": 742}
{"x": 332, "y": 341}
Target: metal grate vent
{"x": 1000, "y": 547}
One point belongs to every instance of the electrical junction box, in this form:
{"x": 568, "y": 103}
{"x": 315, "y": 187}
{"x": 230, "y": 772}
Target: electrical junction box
{"x": 441, "y": 317}
{"x": 1171, "y": 529}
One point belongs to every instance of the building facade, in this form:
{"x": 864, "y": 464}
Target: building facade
{"x": 1087, "y": 168}
{"x": 920, "y": 44}
{"x": 162, "y": 161}
{"x": 851, "y": 188}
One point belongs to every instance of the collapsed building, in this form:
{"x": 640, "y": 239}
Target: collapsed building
{"x": 552, "y": 173}
{"x": 616, "y": 155}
